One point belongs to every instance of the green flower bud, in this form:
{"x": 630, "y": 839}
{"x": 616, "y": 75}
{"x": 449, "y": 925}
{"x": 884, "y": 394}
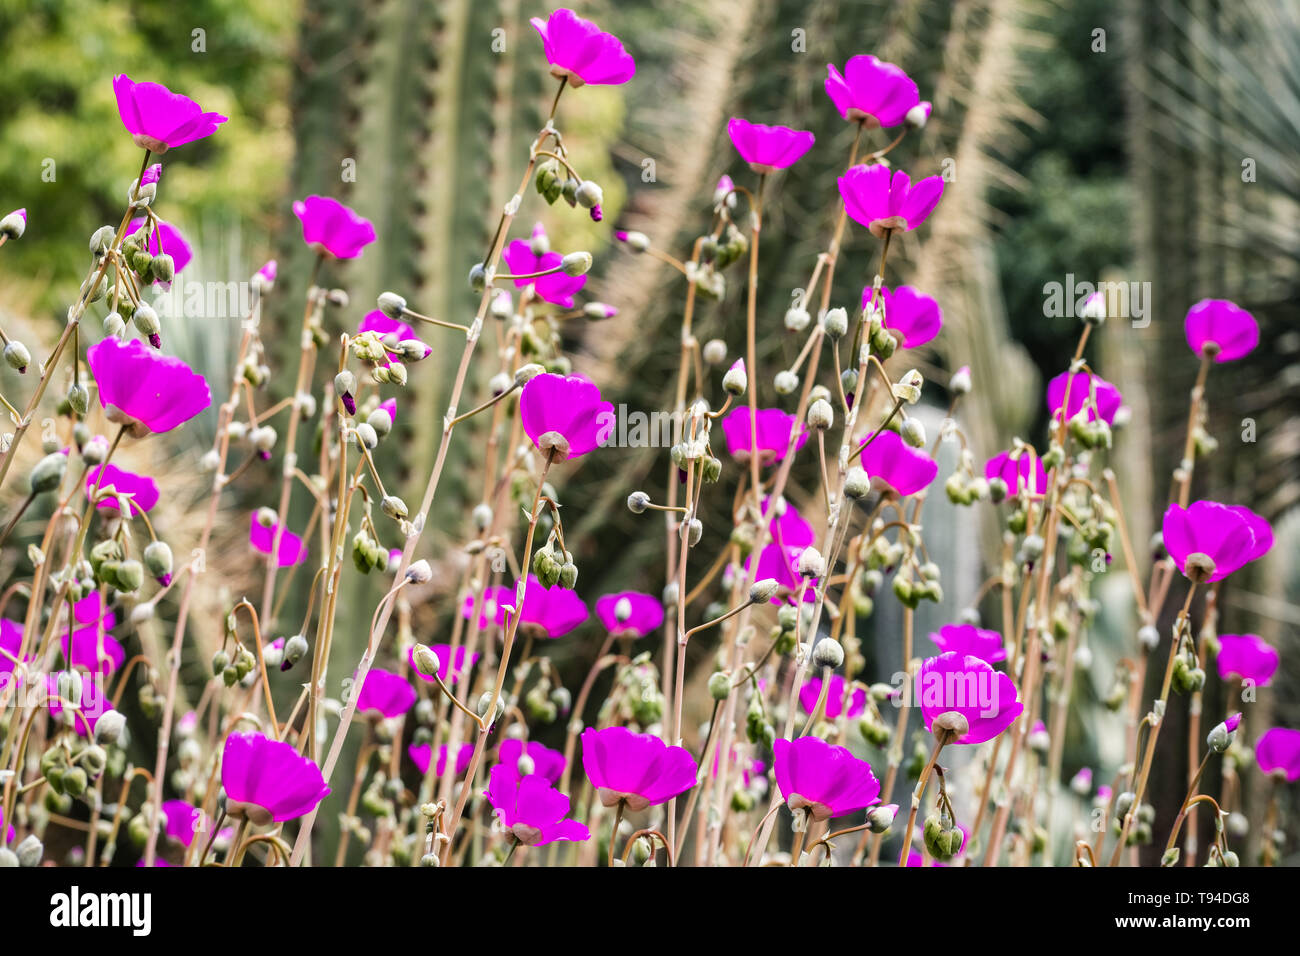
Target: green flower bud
{"x": 17, "y": 357}
{"x": 158, "y": 561}
{"x": 48, "y": 473}
{"x": 576, "y": 263}
{"x": 720, "y": 685}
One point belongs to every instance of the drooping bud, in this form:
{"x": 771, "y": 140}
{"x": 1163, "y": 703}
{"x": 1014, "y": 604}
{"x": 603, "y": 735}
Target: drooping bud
{"x": 158, "y": 561}
{"x": 763, "y": 590}
{"x": 637, "y": 502}
{"x": 392, "y": 304}
{"x": 17, "y": 356}
{"x": 345, "y": 384}
{"x": 48, "y": 472}
{"x": 14, "y": 225}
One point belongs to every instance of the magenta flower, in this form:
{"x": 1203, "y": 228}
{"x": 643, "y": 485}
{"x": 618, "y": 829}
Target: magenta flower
{"x": 1247, "y": 657}
{"x": 971, "y": 687}
{"x": 966, "y": 639}
{"x": 93, "y": 610}
{"x": 629, "y": 613}
{"x": 390, "y": 331}
{"x": 1278, "y": 753}
{"x": 639, "y": 769}
{"x": 1220, "y": 329}
{"x": 531, "y": 809}
{"x": 579, "y": 50}
{"x": 1224, "y": 534}
{"x": 184, "y": 821}
{"x": 331, "y": 228}
{"x": 1015, "y": 472}
{"x": 151, "y": 175}
{"x": 157, "y": 118}
{"x": 420, "y": 754}
{"x": 565, "y": 414}
{"x": 557, "y": 287}
{"x": 891, "y": 460}
{"x": 766, "y": 148}
{"x": 1102, "y": 398}
{"x": 165, "y": 238}
{"x": 547, "y": 763}
{"x": 913, "y": 317}
{"x": 292, "y": 548}
{"x": 881, "y": 202}
{"x": 774, "y": 428}
{"x": 871, "y": 91}
{"x": 268, "y": 780}
{"x": 553, "y": 611}
{"x": 141, "y": 488}
{"x": 93, "y": 704}
{"x": 90, "y": 650}
{"x": 385, "y": 694}
{"x": 826, "y": 780}
{"x": 448, "y": 672}
{"x": 143, "y": 390}
{"x": 789, "y": 529}
{"x": 11, "y": 642}
{"x": 834, "y": 706}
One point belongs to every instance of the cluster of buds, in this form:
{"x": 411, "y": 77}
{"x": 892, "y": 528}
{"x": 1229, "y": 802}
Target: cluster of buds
{"x": 110, "y": 566}
{"x": 367, "y": 553}
{"x": 233, "y": 670}
{"x": 553, "y": 565}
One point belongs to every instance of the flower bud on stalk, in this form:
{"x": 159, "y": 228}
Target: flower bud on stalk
{"x": 17, "y": 357}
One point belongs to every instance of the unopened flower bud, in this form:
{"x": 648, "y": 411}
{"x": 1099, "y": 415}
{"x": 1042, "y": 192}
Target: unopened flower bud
{"x": 158, "y": 561}
{"x": 719, "y": 685}
{"x": 637, "y": 502}
{"x": 820, "y": 415}
{"x": 109, "y": 727}
{"x": 736, "y": 381}
{"x": 30, "y": 850}
{"x": 857, "y": 484}
{"x": 485, "y": 701}
{"x": 394, "y": 507}
{"x": 525, "y": 373}
{"x": 1094, "y": 309}
{"x": 345, "y": 384}
{"x": 419, "y": 572}
{"x": 14, "y": 225}
{"x": 392, "y": 304}
{"x": 576, "y": 264}
{"x": 960, "y": 383}
{"x": 146, "y": 320}
{"x": 367, "y": 436}
{"x": 714, "y": 352}
{"x": 295, "y": 649}
{"x": 835, "y": 322}
{"x": 48, "y": 472}
{"x": 880, "y": 819}
{"x": 828, "y": 653}
{"x": 811, "y": 564}
{"x": 785, "y": 382}
{"x": 763, "y": 590}
{"x": 589, "y": 195}
{"x": 797, "y": 318}
{"x": 426, "y": 661}
{"x": 916, "y": 117}
{"x": 912, "y": 432}
{"x": 381, "y": 421}
{"x": 636, "y": 241}
{"x": 17, "y": 356}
